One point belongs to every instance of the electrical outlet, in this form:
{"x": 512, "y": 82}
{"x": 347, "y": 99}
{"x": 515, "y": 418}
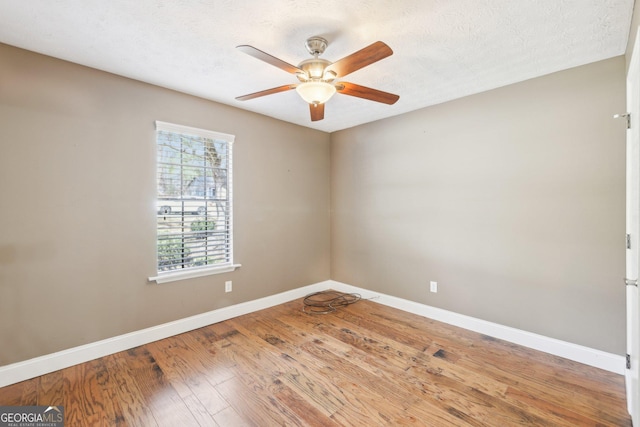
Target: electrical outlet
{"x": 433, "y": 286}
{"x": 228, "y": 286}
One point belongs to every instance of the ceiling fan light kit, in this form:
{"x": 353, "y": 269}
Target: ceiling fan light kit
{"x": 316, "y": 92}
{"x": 317, "y": 75}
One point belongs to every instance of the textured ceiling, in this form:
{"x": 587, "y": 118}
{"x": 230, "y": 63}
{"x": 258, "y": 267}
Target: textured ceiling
{"x": 443, "y": 49}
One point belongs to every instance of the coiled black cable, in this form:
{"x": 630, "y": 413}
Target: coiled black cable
{"x": 325, "y": 302}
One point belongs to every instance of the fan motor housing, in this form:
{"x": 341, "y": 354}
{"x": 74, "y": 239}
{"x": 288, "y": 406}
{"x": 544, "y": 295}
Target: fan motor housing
{"x": 314, "y": 70}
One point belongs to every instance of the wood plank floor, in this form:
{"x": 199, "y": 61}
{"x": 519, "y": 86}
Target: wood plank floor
{"x": 363, "y": 365}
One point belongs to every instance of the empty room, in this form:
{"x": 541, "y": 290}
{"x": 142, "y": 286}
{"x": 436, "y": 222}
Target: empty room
{"x": 418, "y": 212}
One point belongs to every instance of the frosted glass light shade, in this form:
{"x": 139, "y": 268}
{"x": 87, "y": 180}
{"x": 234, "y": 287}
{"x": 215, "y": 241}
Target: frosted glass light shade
{"x": 316, "y": 92}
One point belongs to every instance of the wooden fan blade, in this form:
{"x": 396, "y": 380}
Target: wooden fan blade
{"x": 370, "y": 54}
{"x": 266, "y": 92}
{"x": 352, "y": 89}
{"x": 317, "y": 112}
{"x": 263, "y": 56}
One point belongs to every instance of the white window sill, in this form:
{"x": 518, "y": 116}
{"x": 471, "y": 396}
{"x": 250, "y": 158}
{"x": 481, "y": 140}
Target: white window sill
{"x": 190, "y": 274}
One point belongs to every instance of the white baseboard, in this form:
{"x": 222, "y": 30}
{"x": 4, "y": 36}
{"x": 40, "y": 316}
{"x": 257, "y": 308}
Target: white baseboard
{"x": 20, "y": 371}
{"x": 578, "y": 353}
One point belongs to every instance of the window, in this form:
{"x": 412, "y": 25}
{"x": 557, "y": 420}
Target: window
{"x": 194, "y": 203}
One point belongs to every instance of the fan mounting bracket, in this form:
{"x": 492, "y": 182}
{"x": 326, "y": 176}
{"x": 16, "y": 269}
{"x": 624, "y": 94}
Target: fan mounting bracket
{"x": 316, "y": 45}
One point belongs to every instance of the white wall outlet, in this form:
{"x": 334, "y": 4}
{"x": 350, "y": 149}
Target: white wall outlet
{"x": 433, "y": 286}
{"x": 228, "y": 286}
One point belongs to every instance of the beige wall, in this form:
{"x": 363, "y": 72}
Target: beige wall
{"x": 513, "y": 200}
{"x": 77, "y": 186}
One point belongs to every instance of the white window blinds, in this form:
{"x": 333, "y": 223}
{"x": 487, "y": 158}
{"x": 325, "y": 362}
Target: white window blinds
{"x": 194, "y": 199}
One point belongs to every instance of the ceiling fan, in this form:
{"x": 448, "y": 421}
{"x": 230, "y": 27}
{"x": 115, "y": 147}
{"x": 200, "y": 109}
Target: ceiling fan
{"x": 318, "y": 76}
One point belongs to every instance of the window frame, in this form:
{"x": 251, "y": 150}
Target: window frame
{"x": 198, "y": 271}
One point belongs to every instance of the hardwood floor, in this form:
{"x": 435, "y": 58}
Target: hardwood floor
{"x": 363, "y": 365}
